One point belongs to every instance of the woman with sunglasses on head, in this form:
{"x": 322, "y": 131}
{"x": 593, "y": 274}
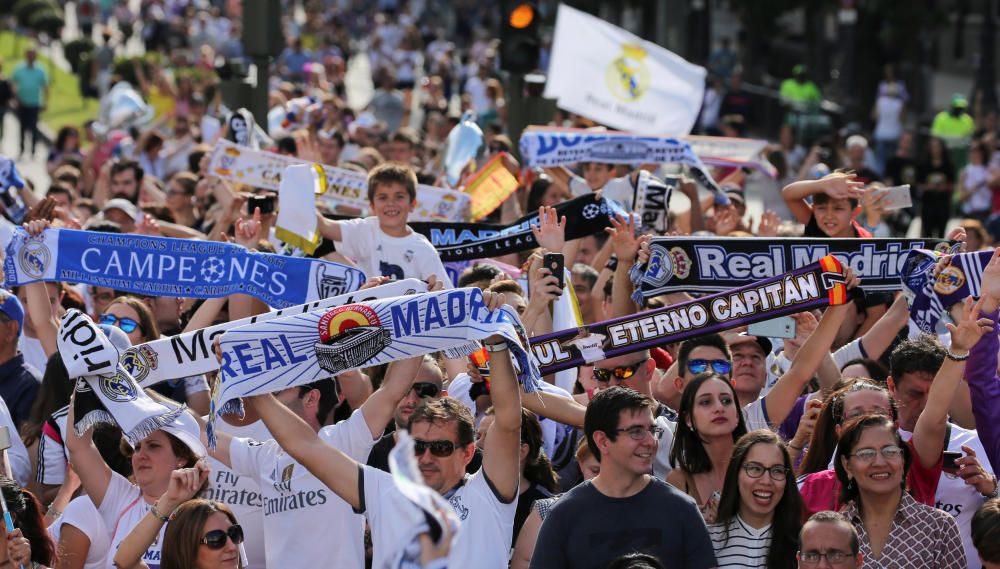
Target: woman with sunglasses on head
{"x": 895, "y": 530}
{"x": 757, "y": 524}
{"x": 134, "y": 317}
{"x": 709, "y": 423}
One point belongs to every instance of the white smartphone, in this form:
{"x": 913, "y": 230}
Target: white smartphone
{"x": 783, "y": 327}
{"x": 896, "y": 197}
{"x": 4, "y": 438}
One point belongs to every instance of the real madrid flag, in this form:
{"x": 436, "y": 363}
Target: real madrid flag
{"x": 607, "y": 74}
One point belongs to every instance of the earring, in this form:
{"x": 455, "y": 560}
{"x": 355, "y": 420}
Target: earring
{"x": 850, "y": 484}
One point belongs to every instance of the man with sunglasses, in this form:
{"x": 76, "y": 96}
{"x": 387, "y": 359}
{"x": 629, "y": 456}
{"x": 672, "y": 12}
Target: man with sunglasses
{"x": 426, "y": 387}
{"x": 624, "y": 509}
{"x": 294, "y": 501}
{"x": 443, "y": 433}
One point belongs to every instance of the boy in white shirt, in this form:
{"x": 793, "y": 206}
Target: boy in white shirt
{"x": 384, "y": 244}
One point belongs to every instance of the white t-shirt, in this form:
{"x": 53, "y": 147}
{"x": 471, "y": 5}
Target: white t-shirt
{"x": 121, "y": 510}
{"x": 487, "y": 522}
{"x": 52, "y": 453}
{"x": 976, "y": 178}
{"x": 33, "y": 352}
{"x": 17, "y": 454}
{"x": 888, "y": 126}
{"x": 376, "y": 253}
{"x": 241, "y": 493}
{"x": 83, "y": 515}
{"x": 956, "y": 497}
{"x": 296, "y": 504}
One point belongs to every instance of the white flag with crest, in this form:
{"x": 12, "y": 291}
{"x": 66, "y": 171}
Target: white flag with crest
{"x": 609, "y": 75}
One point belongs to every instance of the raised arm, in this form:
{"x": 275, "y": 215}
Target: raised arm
{"x": 39, "y": 310}
{"x": 929, "y": 432}
{"x": 981, "y": 367}
{"x": 378, "y": 408}
{"x": 328, "y": 228}
{"x": 836, "y": 186}
{"x": 626, "y": 247}
{"x": 94, "y": 473}
{"x": 184, "y": 484}
{"x": 779, "y": 401}
{"x": 337, "y": 470}
{"x": 556, "y": 407}
{"x": 501, "y": 462}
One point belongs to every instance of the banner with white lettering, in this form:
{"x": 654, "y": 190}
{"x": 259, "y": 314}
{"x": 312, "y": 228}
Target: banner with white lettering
{"x": 720, "y": 263}
{"x": 585, "y": 215}
{"x": 813, "y": 286}
{"x": 161, "y": 266}
{"x": 190, "y": 353}
{"x": 605, "y": 73}
{"x": 721, "y": 151}
{"x": 285, "y": 352}
{"x": 346, "y": 191}
{"x": 542, "y": 147}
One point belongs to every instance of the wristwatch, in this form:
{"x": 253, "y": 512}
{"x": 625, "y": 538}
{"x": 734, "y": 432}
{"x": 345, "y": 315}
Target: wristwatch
{"x": 502, "y": 346}
{"x": 996, "y": 490}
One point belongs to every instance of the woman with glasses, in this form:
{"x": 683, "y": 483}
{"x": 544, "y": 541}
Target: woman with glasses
{"x": 709, "y": 423}
{"x": 821, "y": 489}
{"x": 757, "y": 523}
{"x": 134, "y": 317}
{"x": 895, "y": 530}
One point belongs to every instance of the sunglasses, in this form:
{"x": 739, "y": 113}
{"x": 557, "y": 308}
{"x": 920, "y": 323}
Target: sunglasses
{"x": 617, "y": 372}
{"x": 440, "y": 449}
{"x": 426, "y": 390}
{"x": 721, "y": 367}
{"x": 127, "y": 325}
{"x": 216, "y": 539}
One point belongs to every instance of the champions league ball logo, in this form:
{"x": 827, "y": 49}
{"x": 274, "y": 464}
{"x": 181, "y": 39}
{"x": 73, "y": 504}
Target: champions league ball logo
{"x": 213, "y": 269}
{"x": 627, "y": 76}
{"x": 349, "y": 336}
{"x": 590, "y": 211}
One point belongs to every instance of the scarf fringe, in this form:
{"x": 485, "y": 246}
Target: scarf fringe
{"x": 150, "y": 424}
{"x": 308, "y": 245}
{"x": 93, "y": 419}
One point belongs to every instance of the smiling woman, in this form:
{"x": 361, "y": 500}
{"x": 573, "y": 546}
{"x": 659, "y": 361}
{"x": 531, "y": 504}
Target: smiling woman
{"x": 758, "y": 518}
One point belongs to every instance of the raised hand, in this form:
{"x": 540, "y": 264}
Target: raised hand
{"x": 844, "y": 186}
{"x": 550, "y": 232}
{"x": 972, "y": 472}
{"x": 623, "y": 239}
{"x": 44, "y": 209}
{"x": 769, "y": 223}
{"x": 148, "y": 226}
{"x": 248, "y": 230}
{"x": 970, "y": 327}
{"x": 184, "y": 484}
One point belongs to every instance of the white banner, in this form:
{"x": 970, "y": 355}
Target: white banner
{"x": 344, "y": 188}
{"x": 607, "y": 74}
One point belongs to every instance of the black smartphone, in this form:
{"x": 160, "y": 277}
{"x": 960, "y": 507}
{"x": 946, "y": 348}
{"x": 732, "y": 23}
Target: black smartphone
{"x": 949, "y": 461}
{"x": 555, "y": 263}
{"x": 265, "y": 203}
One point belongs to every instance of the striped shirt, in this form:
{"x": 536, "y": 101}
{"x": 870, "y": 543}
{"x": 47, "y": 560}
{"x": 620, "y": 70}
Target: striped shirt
{"x": 745, "y": 546}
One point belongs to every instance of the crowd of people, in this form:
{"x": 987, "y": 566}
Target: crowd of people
{"x": 855, "y": 440}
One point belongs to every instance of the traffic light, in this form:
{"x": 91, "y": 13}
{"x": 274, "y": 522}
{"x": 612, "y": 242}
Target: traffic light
{"x": 519, "y": 36}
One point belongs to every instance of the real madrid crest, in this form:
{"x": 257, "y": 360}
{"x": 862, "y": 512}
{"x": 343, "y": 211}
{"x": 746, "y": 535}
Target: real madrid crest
{"x": 34, "y": 258}
{"x": 627, "y": 76}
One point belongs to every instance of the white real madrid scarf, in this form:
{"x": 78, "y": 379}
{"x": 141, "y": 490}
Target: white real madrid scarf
{"x": 105, "y": 392}
{"x": 303, "y": 348}
{"x": 190, "y": 353}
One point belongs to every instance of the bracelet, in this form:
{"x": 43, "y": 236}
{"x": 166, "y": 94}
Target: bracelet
{"x": 791, "y": 446}
{"x": 996, "y": 490}
{"x": 502, "y": 346}
{"x": 53, "y": 512}
{"x": 156, "y": 513}
{"x": 954, "y": 357}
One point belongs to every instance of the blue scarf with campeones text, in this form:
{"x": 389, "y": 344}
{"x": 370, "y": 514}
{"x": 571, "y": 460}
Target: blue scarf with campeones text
{"x": 161, "y": 266}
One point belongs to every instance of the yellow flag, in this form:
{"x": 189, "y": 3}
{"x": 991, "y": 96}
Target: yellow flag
{"x": 489, "y": 187}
